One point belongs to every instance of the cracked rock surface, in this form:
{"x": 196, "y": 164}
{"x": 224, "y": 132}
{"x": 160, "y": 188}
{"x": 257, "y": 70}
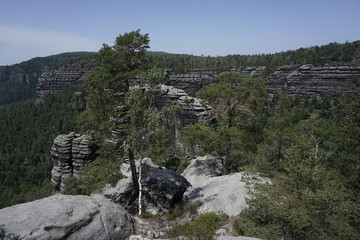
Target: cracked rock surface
{"x": 67, "y": 217}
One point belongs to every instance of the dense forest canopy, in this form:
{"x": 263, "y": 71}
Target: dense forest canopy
{"x": 27, "y": 132}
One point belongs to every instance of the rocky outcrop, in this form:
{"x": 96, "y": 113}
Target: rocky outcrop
{"x": 67, "y": 217}
{"x": 250, "y": 72}
{"x": 161, "y": 188}
{"x": 192, "y": 81}
{"x": 193, "y": 109}
{"x": 53, "y": 81}
{"x": 218, "y": 193}
{"x": 73, "y": 74}
{"x": 78, "y": 102}
{"x": 310, "y": 81}
{"x": 70, "y": 152}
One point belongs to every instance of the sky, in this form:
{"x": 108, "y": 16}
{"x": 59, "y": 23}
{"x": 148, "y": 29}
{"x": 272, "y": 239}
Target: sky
{"x": 36, "y": 28}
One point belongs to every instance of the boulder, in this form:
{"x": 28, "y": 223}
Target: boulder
{"x": 161, "y": 188}
{"x": 67, "y": 217}
{"x": 218, "y": 193}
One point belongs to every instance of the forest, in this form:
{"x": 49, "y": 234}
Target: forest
{"x": 27, "y": 132}
{"x": 309, "y": 149}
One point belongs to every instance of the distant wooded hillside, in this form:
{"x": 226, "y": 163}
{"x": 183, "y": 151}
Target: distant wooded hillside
{"x": 18, "y": 81}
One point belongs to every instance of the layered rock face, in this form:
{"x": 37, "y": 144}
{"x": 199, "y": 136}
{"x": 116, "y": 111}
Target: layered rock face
{"x": 192, "y": 81}
{"x": 308, "y": 80}
{"x": 251, "y": 72}
{"x": 52, "y": 82}
{"x": 67, "y": 217}
{"x": 70, "y": 152}
{"x": 193, "y": 110}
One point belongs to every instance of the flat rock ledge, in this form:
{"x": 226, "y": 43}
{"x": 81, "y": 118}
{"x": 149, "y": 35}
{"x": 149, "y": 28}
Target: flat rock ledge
{"x": 218, "y": 193}
{"x": 67, "y": 217}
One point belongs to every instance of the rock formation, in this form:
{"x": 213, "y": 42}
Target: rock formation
{"x": 53, "y": 81}
{"x": 218, "y": 193}
{"x": 67, "y": 217}
{"x": 251, "y": 72}
{"x": 70, "y": 152}
{"x": 73, "y": 74}
{"x": 307, "y": 80}
{"x": 192, "y": 81}
{"x": 193, "y": 109}
{"x": 161, "y": 188}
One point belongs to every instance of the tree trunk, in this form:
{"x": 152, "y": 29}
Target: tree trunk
{"x": 139, "y": 182}
{"x": 135, "y": 192}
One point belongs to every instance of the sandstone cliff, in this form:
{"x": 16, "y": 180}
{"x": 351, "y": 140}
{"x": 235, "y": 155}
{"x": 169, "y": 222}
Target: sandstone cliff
{"x": 53, "y": 81}
{"x": 192, "y": 81}
{"x": 307, "y": 80}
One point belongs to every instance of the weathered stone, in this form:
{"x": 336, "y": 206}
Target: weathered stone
{"x": 70, "y": 153}
{"x": 67, "y": 217}
{"x": 193, "y": 109}
{"x": 78, "y": 102}
{"x": 250, "y": 72}
{"x": 218, "y": 193}
{"x": 206, "y": 166}
{"x": 309, "y": 81}
{"x": 161, "y": 188}
{"x": 193, "y": 81}
{"x": 53, "y": 81}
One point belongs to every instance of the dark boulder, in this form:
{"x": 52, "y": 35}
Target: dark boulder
{"x": 161, "y": 189}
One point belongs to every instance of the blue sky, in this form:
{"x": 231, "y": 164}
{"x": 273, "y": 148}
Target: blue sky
{"x": 32, "y": 28}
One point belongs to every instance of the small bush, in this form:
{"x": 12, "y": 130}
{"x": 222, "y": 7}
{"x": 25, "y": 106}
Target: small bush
{"x": 183, "y": 207}
{"x": 203, "y": 228}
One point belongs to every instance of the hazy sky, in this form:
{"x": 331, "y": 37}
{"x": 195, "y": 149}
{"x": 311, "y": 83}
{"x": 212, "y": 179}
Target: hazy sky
{"x": 32, "y": 28}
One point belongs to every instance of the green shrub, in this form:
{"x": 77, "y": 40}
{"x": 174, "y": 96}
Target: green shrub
{"x": 203, "y": 228}
{"x": 183, "y": 207}
{"x": 93, "y": 177}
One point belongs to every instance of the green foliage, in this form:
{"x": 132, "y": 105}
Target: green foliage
{"x": 307, "y": 203}
{"x": 93, "y": 177}
{"x": 203, "y": 227}
{"x": 27, "y": 132}
{"x": 315, "y": 187}
{"x": 239, "y": 106}
{"x": 333, "y": 53}
{"x": 184, "y": 207}
{"x": 109, "y": 82}
{"x": 162, "y": 147}
{"x": 142, "y": 117}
